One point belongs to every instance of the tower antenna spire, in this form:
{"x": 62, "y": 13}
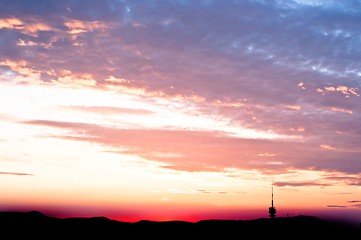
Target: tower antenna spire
{"x": 272, "y": 195}
{"x": 272, "y": 210}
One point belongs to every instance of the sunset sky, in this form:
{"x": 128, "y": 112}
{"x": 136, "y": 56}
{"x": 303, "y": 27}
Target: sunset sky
{"x": 180, "y": 109}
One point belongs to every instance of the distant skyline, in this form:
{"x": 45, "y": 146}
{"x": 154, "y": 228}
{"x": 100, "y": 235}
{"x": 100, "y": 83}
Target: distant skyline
{"x": 181, "y": 109}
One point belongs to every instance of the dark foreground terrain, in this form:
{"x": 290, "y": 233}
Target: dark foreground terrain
{"x": 16, "y": 225}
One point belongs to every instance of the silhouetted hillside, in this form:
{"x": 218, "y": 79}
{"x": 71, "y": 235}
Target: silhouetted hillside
{"x": 36, "y": 224}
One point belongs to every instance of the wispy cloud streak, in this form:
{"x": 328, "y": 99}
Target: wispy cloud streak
{"x": 16, "y": 173}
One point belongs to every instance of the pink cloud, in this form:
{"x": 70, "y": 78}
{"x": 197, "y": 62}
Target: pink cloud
{"x": 349, "y": 180}
{"x": 201, "y": 150}
{"x": 160, "y": 50}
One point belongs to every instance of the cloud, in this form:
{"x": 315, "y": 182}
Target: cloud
{"x": 11, "y": 23}
{"x": 16, "y": 173}
{"x": 30, "y": 27}
{"x": 56, "y": 124}
{"x": 265, "y": 65}
{"x": 110, "y": 110}
{"x": 336, "y": 206}
{"x": 203, "y": 191}
{"x": 341, "y": 110}
{"x": 334, "y": 5}
{"x": 348, "y": 180}
{"x": 204, "y": 150}
{"x": 300, "y": 184}
{"x": 78, "y": 27}
{"x": 327, "y": 147}
{"x": 347, "y": 91}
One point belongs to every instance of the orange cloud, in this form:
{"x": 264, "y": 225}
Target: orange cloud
{"x": 22, "y": 68}
{"x": 30, "y": 28}
{"x": 335, "y": 109}
{"x": 294, "y": 107}
{"x": 12, "y": 23}
{"x": 300, "y": 129}
{"x": 347, "y": 91}
{"x": 327, "y": 147}
{"x": 77, "y": 27}
{"x": 79, "y": 80}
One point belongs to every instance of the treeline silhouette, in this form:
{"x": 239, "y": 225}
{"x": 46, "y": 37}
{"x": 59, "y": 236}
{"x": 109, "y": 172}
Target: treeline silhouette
{"x": 35, "y": 224}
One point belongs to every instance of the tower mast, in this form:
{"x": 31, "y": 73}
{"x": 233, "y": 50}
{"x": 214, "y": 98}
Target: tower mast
{"x": 272, "y": 196}
{"x": 272, "y": 210}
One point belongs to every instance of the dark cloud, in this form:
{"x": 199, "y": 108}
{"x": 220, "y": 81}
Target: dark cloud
{"x": 336, "y": 206}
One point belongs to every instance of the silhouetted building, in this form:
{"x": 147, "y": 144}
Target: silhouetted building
{"x": 272, "y": 210}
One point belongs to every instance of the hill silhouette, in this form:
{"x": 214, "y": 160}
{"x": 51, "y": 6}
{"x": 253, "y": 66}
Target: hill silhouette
{"x": 35, "y": 224}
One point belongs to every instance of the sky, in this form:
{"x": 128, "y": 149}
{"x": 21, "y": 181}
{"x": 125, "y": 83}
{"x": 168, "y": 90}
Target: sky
{"x": 180, "y": 109}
